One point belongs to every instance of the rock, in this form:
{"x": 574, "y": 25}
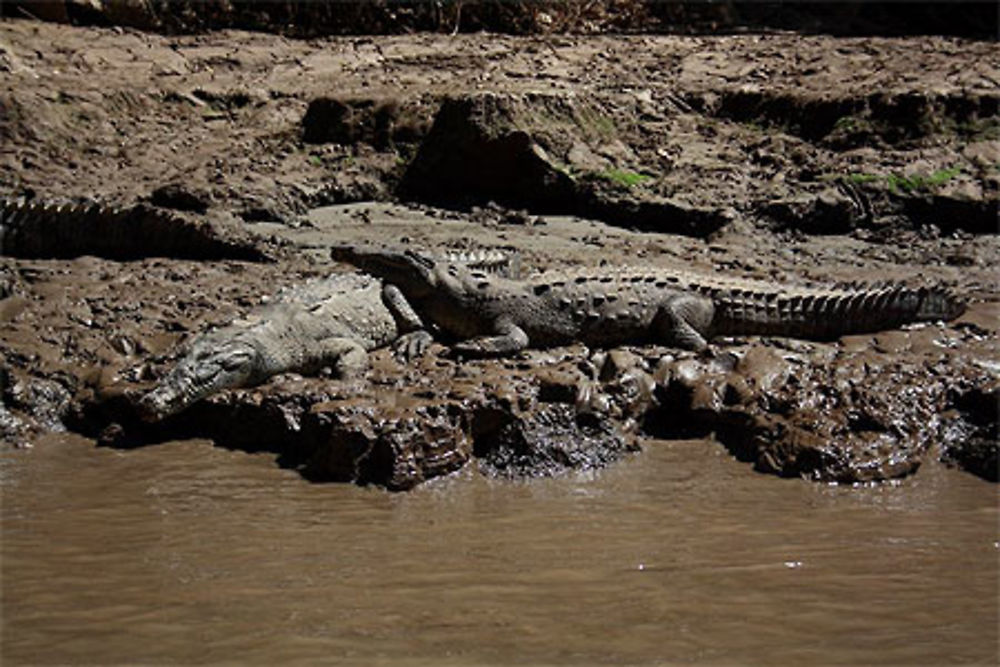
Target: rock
{"x": 367, "y": 444}
{"x": 858, "y": 416}
{"x": 826, "y": 212}
{"x": 378, "y": 122}
{"x": 479, "y": 148}
{"x": 550, "y": 441}
{"x": 972, "y": 434}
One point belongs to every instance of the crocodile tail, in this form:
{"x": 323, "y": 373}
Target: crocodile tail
{"x": 938, "y": 303}
{"x": 827, "y": 314}
{"x": 40, "y": 229}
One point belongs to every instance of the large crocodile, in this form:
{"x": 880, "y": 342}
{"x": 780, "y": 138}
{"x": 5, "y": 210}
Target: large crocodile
{"x": 492, "y": 315}
{"x": 331, "y": 322}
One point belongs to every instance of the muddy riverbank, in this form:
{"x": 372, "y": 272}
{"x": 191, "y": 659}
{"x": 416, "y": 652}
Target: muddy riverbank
{"x": 773, "y": 157}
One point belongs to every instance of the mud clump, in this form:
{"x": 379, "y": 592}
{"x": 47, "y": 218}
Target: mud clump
{"x": 478, "y": 147}
{"x": 30, "y": 406}
{"x": 825, "y": 413}
{"x": 368, "y": 444}
{"x": 181, "y": 197}
{"x": 381, "y": 123}
{"x": 401, "y": 426}
{"x": 972, "y": 441}
{"x": 550, "y": 441}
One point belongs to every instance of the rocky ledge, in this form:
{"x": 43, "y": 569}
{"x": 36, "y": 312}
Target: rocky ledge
{"x": 866, "y": 409}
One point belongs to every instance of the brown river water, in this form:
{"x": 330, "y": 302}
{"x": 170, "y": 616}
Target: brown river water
{"x": 185, "y": 553}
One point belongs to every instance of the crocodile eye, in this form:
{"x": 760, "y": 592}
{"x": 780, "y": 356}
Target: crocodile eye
{"x": 232, "y": 362}
{"x": 206, "y": 373}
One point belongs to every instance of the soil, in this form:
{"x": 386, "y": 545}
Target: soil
{"x": 776, "y": 156}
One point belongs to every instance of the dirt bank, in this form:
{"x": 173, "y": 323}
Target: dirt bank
{"x": 771, "y": 156}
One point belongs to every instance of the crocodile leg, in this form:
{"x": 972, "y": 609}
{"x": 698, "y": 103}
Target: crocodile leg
{"x": 509, "y": 338}
{"x": 414, "y": 339}
{"x": 406, "y": 318}
{"x": 345, "y": 356}
{"x": 684, "y": 320}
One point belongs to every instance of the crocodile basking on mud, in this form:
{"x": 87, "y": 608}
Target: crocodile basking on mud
{"x": 330, "y": 322}
{"x": 493, "y": 315}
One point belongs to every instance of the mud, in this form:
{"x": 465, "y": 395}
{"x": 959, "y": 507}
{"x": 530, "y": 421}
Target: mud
{"x": 765, "y": 156}
{"x": 403, "y": 424}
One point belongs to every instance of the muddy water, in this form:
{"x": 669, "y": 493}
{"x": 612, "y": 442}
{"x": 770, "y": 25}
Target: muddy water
{"x": 184, "y": 554}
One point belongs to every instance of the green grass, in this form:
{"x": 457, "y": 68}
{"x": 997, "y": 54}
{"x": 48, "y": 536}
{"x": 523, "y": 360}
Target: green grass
{"x": 919, "y": 182}
{"x": 861, "y": 178}
{"x": 624, "y": 177}
{"x": 846, "y": 123}
{"x": 942, "y": 176}
{"x": 909, "y": 184}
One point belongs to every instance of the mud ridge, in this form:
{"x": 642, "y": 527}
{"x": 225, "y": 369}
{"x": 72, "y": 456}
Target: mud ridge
{"x": 850, "y": 122}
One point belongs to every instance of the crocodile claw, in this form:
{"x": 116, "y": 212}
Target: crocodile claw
{"x": 412, "y": 345}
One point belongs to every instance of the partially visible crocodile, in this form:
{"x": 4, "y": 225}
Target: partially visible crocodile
{"x": 333, "y": 321}
{"x": 492, "y": 315}
{"x": 39, "y": 229}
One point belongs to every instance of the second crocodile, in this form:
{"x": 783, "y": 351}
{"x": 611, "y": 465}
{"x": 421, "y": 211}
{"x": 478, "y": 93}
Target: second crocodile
{"x": 491, "y": 315}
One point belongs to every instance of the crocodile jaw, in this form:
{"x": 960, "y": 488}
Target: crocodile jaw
{"x": 209, "y": 367}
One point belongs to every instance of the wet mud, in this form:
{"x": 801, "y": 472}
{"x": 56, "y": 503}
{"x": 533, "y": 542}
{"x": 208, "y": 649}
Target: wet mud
{"x": 865, "y": 408}
{"x": 207, "y": 156}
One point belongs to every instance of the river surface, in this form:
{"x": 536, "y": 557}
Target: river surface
{"x": 185, "y": 553}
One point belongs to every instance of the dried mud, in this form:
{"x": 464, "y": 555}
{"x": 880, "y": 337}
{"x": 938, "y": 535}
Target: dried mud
{"x": 775, "y": 157}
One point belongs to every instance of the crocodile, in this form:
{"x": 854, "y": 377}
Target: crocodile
{"x": 329, "y": 322}
{"x": 46, "y": 229}
{"x": 495, "y": 316}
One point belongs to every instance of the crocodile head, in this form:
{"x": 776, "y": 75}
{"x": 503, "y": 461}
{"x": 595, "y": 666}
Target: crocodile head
{"x": 212, "y": 364}
{"x": 416, "y": 274}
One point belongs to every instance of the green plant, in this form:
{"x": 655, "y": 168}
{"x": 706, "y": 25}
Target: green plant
{"x": 850, "y": 123}
{"x": 861, "y": 178}
{"x": 917, "y": 182}
{"x": 845, "y": 123}
{"x": 624, "y": 177}
{"x": 316, "y": 160}
{"x": 942, "y": 176}
{"x": 900, "y": 183}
